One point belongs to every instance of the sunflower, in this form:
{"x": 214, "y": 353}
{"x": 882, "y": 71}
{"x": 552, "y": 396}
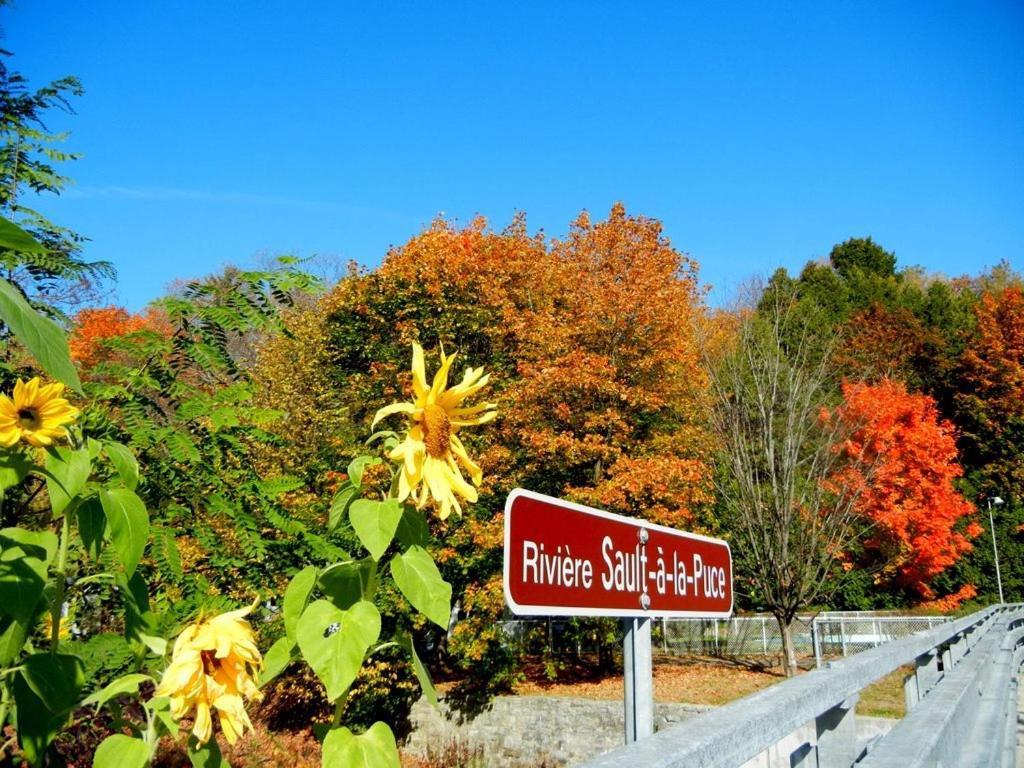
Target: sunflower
{"x": 432, "y": 451}
{"x": 214, "y": 667}
{"x": 36, "y": 414}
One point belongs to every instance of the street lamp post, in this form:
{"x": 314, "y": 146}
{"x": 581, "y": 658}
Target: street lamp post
{"x": 995, "y": 549}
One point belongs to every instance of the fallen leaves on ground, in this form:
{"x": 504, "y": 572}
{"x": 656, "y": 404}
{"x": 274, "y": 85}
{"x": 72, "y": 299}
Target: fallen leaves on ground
{"x": 691, "y": 680}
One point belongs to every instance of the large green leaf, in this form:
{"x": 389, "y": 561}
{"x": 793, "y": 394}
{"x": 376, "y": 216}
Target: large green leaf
{"x": 421, "y": 583}
{"x": 160, "y": 706}
{"x": 358, "y": 466}
{"x": 422, "y": 674}
{"x": 277, "y": 659}
{"x": 412, "y": 528}
{"x": 37, "y": 726}
{"x": 129, "y": 525}
{"x": 42, "y": 337}
{"x": 127, "y": 684}
{"x": 41, "y": 544}
{"x": 14, "y": 238}
{"x": 375, "y": 748}
{"x": 206, "y": 755}
{"x": 334, "y": 642}
{"x": 342, "y": 499}
{"x": 14, "y": 466}
{"x": 92, "y": 525}
{"x": 12, "y": 638}
{"x": 55, "y": 678}
{"x": 45, "y": 691}
{"x": 120, "y": 751}
{"x": 296, "y": 596}
{"x": 124, "y": 461}
{"x": 139, "y": 621}
{"x": 345, "y": 584}
{"x": 375, "y": 523}
{"x": 22, "y": 580}
{"x": 67, "y": 473}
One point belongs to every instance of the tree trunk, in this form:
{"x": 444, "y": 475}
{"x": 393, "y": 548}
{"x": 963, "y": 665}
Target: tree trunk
{"x": 788, "y": 650}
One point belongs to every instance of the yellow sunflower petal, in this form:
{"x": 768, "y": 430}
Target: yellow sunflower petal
{"x": 50, "y": 391}
{"x": 440, "y": 378}
{"x": 410, "y": 452}
{"x": 475, "y": 422}
{"x": 459, "y": 392}
{"x": 472, "y": 411}
{"x": 9, "y": 436}
{"x": 407, "y": 482}
{"x": 459, "y": 450}
{"x": 419, "y": 372}
{"x": 458, "y": 483}
{"x": 458, "y": 397}
{"x": 389, "y": 410}
{"x": 19, "y": 393}
{"x": 203, "y": 726}
{"x": 38, "y": 439}
{"x": 7, "y": 407}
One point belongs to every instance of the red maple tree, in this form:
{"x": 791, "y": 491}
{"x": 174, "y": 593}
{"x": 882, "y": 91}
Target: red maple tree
{"x": 921, "y": 522}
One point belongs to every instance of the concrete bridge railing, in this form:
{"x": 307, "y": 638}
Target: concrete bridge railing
{"x": 961, "y": 708}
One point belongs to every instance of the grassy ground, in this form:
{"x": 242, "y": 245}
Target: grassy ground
{"x": 885, "y": 698}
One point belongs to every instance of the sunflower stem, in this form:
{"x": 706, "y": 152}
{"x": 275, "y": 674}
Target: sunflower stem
{"x": 58, "y": 586}
{"x": 5, "y": 705}
{"x": 339, "y": 708}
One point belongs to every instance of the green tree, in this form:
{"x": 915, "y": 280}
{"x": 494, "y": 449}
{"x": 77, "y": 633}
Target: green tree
{"x": 57, "y": 278}
{"x": 862, "y": 255}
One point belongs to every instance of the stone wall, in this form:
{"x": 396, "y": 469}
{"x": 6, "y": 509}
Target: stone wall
{"x": 534, "y": 731}
{"x": 549, "y": 731}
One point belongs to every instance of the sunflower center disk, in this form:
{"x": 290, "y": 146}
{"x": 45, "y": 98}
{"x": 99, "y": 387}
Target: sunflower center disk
{"x": 437, "y": 431}
{"x": 29, "y": 418}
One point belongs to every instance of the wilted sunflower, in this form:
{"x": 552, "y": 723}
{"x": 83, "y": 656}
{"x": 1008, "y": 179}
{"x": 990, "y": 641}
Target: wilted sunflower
{"x": 36, "y": 414}
{"x": 431, "y": 452}
{"x": 214, "y": 667}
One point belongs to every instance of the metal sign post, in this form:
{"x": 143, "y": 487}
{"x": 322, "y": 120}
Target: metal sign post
{"x": 564, "y": 559}
{"x": 638, "y": 678}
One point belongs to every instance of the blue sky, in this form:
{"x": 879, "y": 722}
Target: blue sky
{"x": 759, "y": 133}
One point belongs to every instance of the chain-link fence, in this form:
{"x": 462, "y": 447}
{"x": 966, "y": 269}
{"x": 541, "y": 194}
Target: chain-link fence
{"x": 840, "y": 634}
{"x": 738, "y": 636}
{"x": 826, "y": 634}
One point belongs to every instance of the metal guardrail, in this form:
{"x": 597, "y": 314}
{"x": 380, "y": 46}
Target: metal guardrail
{"x": 959, "y": 692}
{"x": 971, "y": 718}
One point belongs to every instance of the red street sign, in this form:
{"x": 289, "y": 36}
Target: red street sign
{"x": 564, "y": 559}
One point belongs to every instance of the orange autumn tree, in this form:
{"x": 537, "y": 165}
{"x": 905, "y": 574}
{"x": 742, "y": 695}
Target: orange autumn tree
{"x": 94, "y": 328}
{"x": 589, "y": 343}
{"x": 921, "y": 524}
{"x": 606, "y": 409}
{"x": 990, "y": 400}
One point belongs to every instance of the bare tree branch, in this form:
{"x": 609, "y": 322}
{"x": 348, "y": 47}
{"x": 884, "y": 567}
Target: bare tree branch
{"x": 779, "y": 453}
